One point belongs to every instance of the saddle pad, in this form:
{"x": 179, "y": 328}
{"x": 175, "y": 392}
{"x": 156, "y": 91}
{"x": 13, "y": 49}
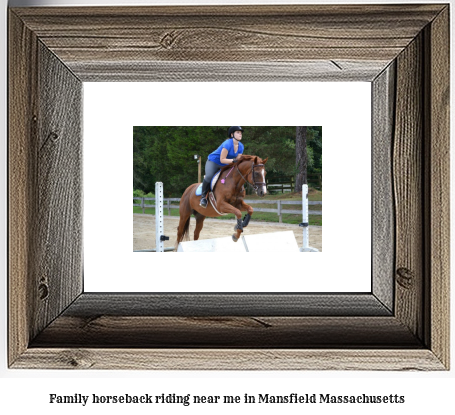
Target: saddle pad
{"x": 212, "y": 184}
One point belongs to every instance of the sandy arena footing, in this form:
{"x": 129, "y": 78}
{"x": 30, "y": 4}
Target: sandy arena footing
{"x": 144, "y": 230}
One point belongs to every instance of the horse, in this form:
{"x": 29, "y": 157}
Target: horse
{"x": 229, "y": 193}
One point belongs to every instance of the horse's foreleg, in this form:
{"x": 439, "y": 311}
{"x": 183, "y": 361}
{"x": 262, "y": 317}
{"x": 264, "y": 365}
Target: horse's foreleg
{"x": 244, "y": 207}
{"x": 227, "y": 208}
{"x": 238, "y": 229}
{"x": 199, "y": 224}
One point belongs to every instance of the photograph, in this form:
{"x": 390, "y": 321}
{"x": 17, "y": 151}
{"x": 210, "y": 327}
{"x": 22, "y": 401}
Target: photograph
{"x": 260, "y": 177}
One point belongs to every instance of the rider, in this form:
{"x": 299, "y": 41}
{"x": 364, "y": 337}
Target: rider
{"x": 225, "y": 154}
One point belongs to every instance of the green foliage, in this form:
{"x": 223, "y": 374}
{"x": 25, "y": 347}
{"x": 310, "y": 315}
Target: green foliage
{"x": 166, "y": 154}
{"x": 141, "y": 193}
{"x": 138, "y": 193}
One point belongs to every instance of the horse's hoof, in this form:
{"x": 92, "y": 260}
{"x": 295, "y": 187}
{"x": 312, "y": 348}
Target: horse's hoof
{"x": 234, "y": 238}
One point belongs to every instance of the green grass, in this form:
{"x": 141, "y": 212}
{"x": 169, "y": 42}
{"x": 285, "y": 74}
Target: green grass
{"x": 314, "y": 195}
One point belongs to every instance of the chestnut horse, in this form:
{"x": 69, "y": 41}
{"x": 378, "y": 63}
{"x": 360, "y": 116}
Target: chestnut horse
{"x": 229, "y": 194}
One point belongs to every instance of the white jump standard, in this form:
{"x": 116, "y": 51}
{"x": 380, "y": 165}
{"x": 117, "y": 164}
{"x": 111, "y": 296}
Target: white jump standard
{"x": 305, "y": 224}
{"x": 159, "y": 222}
{"x": 159, "y": 218}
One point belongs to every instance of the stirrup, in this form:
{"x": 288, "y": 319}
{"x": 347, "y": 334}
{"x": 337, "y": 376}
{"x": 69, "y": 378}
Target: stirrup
{"x": 203, "y": 202}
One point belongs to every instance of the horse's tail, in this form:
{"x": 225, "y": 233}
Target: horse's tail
{"x": 185, "y": 231}
{"x": 185, "y": 212}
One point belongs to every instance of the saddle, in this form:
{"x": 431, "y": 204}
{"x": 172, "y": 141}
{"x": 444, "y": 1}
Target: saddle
{"x": 211, "y": 196}
{"x": 212, "y": 183}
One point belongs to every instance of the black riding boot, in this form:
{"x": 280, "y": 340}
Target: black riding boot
{"x": 205, "y": 188}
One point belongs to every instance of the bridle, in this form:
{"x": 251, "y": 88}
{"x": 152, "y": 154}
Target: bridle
{"x": 255, "y": 185}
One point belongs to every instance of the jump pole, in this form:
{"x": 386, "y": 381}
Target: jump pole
{"x": 305, "y": 224}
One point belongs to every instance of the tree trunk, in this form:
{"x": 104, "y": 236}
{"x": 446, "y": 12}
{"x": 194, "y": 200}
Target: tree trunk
{"x": 301, "y": 158}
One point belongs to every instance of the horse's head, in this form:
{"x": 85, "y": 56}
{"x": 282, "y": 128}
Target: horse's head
{"x": 252, "y": 167}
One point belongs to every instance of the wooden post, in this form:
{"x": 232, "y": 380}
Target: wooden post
{"x": 199, "y": 162}
{"x": 169, "y": 207}
{"x": 280, "y": 219}
{"x": 142, "y": 203}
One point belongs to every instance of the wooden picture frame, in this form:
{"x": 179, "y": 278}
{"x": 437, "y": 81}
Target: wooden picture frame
{"x": 402, "y": 324}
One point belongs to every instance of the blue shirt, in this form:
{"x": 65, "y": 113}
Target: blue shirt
{"x": 229, "y": 145}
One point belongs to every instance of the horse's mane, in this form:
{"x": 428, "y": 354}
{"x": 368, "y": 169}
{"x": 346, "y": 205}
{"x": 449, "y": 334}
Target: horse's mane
{"x": 243, "y": 157}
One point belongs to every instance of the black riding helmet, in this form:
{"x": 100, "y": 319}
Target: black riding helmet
{"x": 233, "y": 130}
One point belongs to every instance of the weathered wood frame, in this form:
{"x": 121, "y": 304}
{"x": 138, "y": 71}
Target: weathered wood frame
{"x": 403, "y": 50}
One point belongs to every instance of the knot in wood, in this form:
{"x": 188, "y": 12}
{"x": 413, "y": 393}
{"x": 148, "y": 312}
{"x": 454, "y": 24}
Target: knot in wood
{"x": 43, "y": 291}
{"x": 405, "y": 278}
{"x": 168, "y": 39}
{"x": 53, "y": 136}
{"x": 76, "y": 359}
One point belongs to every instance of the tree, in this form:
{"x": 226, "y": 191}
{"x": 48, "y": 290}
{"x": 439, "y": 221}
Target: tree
{"x": 301, "y": 158}
{"x": 166, "y": 153}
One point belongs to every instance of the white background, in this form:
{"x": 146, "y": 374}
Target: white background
{"x": 28, "y": 390}
{"x": 110, "y": 111}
